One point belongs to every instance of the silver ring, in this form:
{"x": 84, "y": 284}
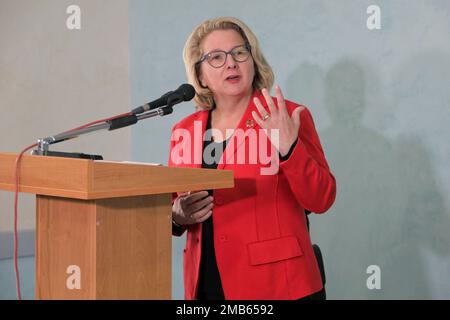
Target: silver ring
{"x": 266, "y": 116}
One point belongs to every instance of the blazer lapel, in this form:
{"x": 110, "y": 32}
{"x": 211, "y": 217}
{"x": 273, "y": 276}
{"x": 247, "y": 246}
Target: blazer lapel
{"x": 246, "y": 123}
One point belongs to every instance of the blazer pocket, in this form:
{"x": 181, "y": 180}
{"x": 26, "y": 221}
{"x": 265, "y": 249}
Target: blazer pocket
{"x": 273, "y": 250}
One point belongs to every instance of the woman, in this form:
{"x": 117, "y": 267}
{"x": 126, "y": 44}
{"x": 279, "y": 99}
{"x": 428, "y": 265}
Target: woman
{"x": 250, "y": 241}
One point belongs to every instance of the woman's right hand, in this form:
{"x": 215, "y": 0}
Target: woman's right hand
{"x": 192, "y": 207}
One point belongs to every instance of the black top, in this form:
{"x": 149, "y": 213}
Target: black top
{"x": 210, "y": 284}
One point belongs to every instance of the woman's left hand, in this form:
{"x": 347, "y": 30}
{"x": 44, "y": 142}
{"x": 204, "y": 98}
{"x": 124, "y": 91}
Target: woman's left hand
{"x": 278, "y": 118}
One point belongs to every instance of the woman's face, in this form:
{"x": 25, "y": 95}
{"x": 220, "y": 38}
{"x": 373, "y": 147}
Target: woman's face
{"x": 233, "y": 79}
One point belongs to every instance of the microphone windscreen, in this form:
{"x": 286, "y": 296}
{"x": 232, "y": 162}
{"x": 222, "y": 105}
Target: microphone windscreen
{"x": 187, "y": 90}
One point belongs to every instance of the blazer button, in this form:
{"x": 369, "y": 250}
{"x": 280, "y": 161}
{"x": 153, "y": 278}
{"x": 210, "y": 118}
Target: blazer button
{"x": 197, "y": 240}
{"x": 218, "y": 201}
{"x": 223, "y": 238}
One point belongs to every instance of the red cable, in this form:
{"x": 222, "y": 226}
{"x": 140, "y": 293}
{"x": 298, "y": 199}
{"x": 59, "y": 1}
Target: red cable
{"x": 16, "y": 240}
{"x": 16, "y": 198}
{"x": 98, "y": 121}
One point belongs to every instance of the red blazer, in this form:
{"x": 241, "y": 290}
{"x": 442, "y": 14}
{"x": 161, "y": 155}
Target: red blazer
{"x": 261, "y": 240}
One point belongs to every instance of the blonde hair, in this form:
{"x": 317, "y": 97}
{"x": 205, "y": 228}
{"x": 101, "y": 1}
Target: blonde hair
{"x": 204, "y": 99}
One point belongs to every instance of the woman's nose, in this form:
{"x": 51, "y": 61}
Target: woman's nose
{"x": 230, "y": 63}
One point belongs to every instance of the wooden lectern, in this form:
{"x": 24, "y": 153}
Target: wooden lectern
{"x": 107, "y": 223}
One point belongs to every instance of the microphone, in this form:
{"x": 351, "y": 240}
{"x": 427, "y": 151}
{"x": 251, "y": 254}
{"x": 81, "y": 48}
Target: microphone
{"x": 185, "y": 92}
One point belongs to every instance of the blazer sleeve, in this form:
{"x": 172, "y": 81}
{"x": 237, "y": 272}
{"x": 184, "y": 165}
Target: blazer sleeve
{"x": 176, "y": 231}
{"x": 307, "y": 170}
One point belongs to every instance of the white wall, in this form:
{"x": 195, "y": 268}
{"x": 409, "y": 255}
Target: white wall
{"x": 381, "y": 103}
{"x": 53, "y": 79}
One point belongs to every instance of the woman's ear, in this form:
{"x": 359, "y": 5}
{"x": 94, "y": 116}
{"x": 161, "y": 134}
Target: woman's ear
{"x": 202, "y": 82}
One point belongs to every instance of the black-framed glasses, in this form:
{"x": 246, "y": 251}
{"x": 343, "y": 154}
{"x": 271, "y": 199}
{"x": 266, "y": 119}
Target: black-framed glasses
{"x": 218, "y": 58}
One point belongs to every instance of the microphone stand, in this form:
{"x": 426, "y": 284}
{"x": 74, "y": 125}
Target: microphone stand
{"x": 44, "y": 143}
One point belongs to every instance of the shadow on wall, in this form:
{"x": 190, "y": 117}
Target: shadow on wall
{"x": 388, "y": 210}
{"x": 422, "y": 97}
